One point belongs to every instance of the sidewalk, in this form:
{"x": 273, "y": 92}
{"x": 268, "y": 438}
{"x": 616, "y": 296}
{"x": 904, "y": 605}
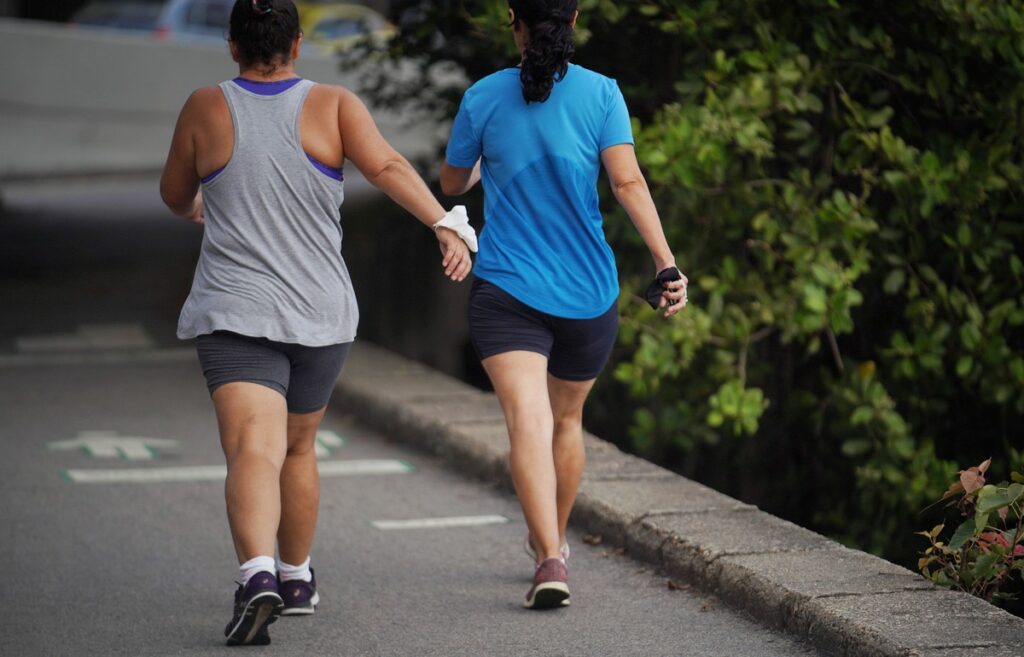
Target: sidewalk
{"x": 844, "y": 601}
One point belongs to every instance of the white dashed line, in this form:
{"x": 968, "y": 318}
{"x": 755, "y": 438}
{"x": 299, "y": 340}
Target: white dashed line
{"x": 435, "y": 523}
{"x": 218, "y": 472}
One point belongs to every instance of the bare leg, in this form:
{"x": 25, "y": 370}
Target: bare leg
{"x": 300, "y": 489}
{"x": 567, "y": 398}
{"x": 520, "y": 381}
{"x": 253, "y": 434}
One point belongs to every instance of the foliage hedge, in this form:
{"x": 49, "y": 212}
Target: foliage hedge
{"x": 842, "y": 182}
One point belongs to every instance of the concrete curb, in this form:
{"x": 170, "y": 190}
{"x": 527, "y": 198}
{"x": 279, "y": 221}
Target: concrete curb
{"x": 844, "y": 601}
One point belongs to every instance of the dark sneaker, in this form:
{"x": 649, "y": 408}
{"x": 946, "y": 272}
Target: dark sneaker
{"x": 550, "y": 586}
{"x": 300, "y": 598}
{"x": 257, "y": 605}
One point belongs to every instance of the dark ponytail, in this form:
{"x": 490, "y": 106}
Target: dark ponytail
{"x": 547, "y": 54}
{"x": 263, "y": 31}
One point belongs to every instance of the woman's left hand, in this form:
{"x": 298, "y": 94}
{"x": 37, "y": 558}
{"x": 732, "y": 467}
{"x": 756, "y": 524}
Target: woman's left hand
{"x": 674, "y": 296}
{"x": 456, "y": 262}
{"x": 198, "y": 213}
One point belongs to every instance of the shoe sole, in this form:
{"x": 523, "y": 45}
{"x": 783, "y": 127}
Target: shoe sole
{"x": 260, "y": 612}
{"x": 304, "y": 610}
{"x": 548, "y": 595}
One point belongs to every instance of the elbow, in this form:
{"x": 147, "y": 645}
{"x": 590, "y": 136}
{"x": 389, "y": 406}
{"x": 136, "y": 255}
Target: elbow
{"x": 451, "y": 185}
{"x": 386, "y": 170}
{"x": 628, "y": 187}
{"x": 175, "y": 203}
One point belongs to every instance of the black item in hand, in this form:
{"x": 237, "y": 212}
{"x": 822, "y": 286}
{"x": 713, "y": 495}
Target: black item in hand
{"x": 654, "y": 290}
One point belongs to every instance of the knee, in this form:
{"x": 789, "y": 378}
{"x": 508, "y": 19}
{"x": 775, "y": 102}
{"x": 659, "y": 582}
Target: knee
{"x": 526, "y": 422}
{"x": 302, "y": 436}
{"x": 256, "y": 450}
{"x": 568, "y": 424}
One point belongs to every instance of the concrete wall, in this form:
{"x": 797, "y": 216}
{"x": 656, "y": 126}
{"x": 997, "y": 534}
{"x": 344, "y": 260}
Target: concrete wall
{"x": 80, "y": 101}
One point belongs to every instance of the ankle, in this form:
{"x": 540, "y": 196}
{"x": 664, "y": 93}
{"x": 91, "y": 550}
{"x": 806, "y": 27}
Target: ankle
{"x": 255, "y": 565}
{"x": 287, "y": 572}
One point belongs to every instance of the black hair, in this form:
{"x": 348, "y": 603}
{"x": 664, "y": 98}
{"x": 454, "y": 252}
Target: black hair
{"x": 547, "y": 54}
{"x": 263, "y": 31}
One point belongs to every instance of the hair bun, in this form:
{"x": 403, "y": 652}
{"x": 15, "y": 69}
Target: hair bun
{"x": 262, "y": 7}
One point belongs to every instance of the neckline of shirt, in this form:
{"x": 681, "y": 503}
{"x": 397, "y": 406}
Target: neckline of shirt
{"x": 266, "y": 88}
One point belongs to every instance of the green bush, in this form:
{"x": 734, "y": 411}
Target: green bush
{"x": 842, "y": 184}
{"x": 985, "y": 554}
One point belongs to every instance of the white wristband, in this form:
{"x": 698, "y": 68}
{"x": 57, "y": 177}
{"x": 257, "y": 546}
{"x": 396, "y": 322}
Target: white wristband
{"x": 457, "y": 219}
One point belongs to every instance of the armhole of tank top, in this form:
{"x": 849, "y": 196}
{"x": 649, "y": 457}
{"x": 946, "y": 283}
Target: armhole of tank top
{"x": 297, "y": 131}
{"x": 234, "y": 141}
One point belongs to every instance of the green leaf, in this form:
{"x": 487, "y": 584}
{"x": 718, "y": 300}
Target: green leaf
{"x": 894, "y": 281}
{"x": 984, "y": 567}
{"x": 964, "y": 532}
{"x": 814, "y": 298}
{"x": 992, "y": 502}
{"x": 963, "y": 235}
{"x": 856, "y": 447}
{"x": 862, "y": 415}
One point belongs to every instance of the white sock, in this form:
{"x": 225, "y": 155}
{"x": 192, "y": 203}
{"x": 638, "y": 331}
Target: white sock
{"x": 290, "y": 572}
{"x": 255, "y": 565}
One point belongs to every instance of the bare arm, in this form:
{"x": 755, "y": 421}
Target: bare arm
{"x": 388, "y": 171}
{"x": 382, "y": 165}
{"x": 631, "y": 191}
{"x": 456, "y": 181}
{"x": 179, "y": 184}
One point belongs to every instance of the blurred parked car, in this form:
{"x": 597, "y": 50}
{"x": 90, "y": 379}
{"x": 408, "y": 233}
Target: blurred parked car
{"x": 137, "y": 15}
{"x": 195, "y": 20}
{"x": 177, "y": 20}
{"x": 338, "y": 26}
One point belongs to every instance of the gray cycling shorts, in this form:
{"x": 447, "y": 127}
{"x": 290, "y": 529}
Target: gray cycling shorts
{"x": 305, "y": 376}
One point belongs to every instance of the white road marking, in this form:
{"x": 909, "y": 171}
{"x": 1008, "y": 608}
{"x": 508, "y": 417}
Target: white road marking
{"x": 178, "y": 355}
{"x": 436, "y": 523}
{"x": 218, "y": 472}
{"x": 327, "y": 442}
{"x": 108, "y": 445}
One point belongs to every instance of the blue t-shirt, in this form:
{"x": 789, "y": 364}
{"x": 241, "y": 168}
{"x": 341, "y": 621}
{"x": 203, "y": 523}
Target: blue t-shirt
{"x": 543, "y": 241}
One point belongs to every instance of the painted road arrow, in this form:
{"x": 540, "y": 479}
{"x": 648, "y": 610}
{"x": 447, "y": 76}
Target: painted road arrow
{"x": 327, "y": 442}
{"x": 108, "y": 445}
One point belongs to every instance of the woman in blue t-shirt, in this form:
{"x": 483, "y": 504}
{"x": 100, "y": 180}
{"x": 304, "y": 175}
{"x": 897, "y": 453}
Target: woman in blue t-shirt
{"x": 543, "y": 315}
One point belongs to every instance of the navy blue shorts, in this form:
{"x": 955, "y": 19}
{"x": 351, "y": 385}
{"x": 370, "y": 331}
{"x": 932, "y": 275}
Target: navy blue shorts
{"x": 576, "y": 349}
{"x": 305, "y": 376}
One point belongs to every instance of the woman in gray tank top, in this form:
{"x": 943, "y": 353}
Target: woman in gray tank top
{"x": 258, "y": 161}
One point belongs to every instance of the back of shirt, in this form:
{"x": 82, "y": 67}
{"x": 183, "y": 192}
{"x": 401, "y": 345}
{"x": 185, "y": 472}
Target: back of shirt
{"x": 543, "y": 241}
{"x": 271, "y": 263}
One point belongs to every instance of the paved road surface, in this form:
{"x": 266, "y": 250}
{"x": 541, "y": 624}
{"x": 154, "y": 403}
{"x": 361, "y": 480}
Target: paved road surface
{"x": 91, "y": 280}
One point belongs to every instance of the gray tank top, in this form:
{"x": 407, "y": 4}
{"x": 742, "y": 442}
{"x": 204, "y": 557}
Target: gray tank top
{"x": 271, "y": 264}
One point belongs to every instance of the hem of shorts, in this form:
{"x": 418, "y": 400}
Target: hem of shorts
{"x": 276, "y": 387}
{"x": 576, "y": 379}
{"x": 517, "y": 294}
{"x": 504, "y": 350}
{"x": 305, "y": 412}
{"x": 268, "y": 335}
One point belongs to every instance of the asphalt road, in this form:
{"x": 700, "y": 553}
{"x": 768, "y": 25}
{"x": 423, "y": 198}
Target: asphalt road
{"x": 129, "y": 553}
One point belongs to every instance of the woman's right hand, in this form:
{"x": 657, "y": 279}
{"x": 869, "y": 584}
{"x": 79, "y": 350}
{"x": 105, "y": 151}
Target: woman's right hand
{"x": 456, "y": 260}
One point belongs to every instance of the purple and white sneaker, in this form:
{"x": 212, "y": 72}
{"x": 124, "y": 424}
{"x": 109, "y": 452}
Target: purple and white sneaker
{"x": 257, "y": 605}
{"x": 300, "y": 598}
{"x": 550, "y": 586}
